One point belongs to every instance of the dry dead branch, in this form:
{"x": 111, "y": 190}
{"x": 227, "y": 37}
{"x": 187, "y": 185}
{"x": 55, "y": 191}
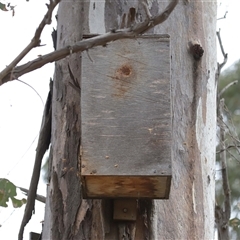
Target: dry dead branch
{"x": 35, "y": 42}
{"x": 12, "y": 72}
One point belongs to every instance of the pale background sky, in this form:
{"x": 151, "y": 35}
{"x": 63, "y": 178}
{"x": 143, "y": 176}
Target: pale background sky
{"x": 21, "y": 108}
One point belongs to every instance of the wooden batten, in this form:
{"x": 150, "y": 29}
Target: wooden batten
{"x": 126, "y": 119}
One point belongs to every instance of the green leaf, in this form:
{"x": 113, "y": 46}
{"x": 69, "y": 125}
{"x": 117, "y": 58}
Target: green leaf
{"x": 18, "y": 203}
{"x": 234, "y": 222}
{"x": 8, "y": 190}
{"x": 3, "y": 7}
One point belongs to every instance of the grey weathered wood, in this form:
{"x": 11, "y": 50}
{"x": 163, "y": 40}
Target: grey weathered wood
{"x": 126, "y": 110}
{"x": 189, "y": 213}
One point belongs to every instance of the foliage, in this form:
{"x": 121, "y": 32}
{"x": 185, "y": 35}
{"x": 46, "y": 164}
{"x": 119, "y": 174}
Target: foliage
{"x": 7, "y": 7}
{"x": 232, "y": 120}
{"x": 232, "y": 94}
{"x": 3, "y": 7}
{"x": 8, "y": 190}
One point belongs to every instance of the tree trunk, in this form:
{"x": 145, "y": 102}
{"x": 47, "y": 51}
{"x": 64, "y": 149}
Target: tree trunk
{"x": 189, "y": 213}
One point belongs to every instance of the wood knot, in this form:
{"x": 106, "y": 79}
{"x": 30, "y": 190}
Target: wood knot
{"x": 123, "y": 79}
{"x": 124, "y": 71}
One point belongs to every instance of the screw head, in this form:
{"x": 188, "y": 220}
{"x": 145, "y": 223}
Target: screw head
{"x": 125, "y": 210}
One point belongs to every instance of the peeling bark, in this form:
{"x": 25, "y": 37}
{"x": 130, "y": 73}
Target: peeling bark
{"x": 189, "y": 213}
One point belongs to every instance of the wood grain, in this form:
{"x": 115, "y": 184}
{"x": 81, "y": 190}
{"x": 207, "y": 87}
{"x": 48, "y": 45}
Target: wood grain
{"x": 126, "y": 108}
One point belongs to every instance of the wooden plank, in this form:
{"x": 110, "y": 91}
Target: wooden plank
{"x": 156, "y": 187}
{"x": 126, "y": 108}
{"x": 125, "y": 209}
{"x": 34, "y": 236}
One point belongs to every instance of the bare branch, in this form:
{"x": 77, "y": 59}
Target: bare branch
{"x": 225, "y": 15}
{"x": 40, "y": 198}
{"x": 227, "y": 148}
{"x": 35, "y": 42}
{"x": 225, "y": 55}
{"x": 86, "y": 44}
{"x": 233, "y": 156}
{"x": 232, "y": 133}
{"x": 219, "y": 66}
{"x": 42, "y": 146}
{"x": 223, "y": 218}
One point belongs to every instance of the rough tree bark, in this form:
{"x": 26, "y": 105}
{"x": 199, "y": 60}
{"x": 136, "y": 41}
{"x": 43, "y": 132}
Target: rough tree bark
{"x": 189, "y": 213}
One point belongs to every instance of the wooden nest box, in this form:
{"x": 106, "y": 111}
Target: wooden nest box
{"x": 126, "y": 119}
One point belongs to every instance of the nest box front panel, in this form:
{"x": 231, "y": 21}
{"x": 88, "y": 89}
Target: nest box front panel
{"x": 126, "y": 119}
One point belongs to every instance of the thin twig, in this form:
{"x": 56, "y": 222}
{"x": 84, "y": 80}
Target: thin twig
{"x": 232, "y": 124}
{"x": 35, "y": 42}
{"x": 220, "y": 65}
{"x": 223, "y": 215}
{"x": 219, "y": 69}
{"x": 228, "y": 86}
{"x": 227, "y": 148}
{"x": 32, "y": 89}
{"x": 233, "y": 156}
{"x": 40, "y": 198}
{"x": 101, "y": 40}
{"x": 225, "y": 15}
{"x": 225, "y": 55}
{"x": 231, "y": 133}
{"x": 42, "y": 146}
{"x": 220, "y": 43}
{"x": 235, "y": 146}
{"x": 234, "y": 142}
